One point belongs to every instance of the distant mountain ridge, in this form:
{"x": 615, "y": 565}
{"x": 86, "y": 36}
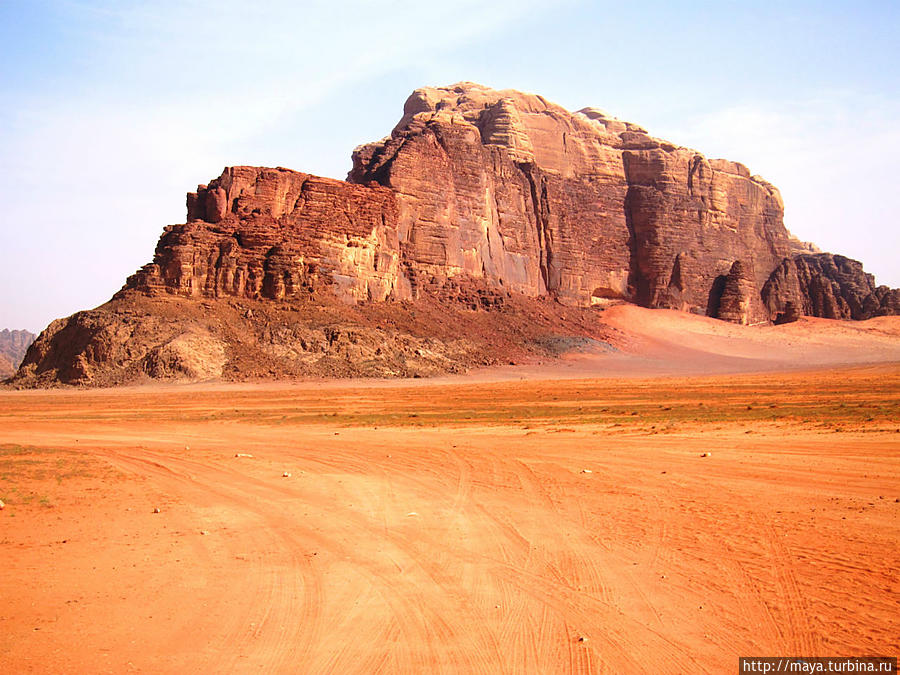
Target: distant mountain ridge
{"x": 13, "y": 345}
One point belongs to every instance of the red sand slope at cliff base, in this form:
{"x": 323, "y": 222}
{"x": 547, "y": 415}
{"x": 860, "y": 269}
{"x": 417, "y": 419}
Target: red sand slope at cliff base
{"x": 646, "y": 342}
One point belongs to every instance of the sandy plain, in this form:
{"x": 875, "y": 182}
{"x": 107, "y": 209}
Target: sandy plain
{"x": 539, "y": 519}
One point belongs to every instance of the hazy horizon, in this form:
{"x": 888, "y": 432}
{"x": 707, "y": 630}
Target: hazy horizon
{"x": 113, "y": 111}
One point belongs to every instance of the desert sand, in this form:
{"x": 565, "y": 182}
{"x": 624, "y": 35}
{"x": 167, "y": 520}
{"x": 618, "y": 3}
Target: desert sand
{"x": 696, "y": 493}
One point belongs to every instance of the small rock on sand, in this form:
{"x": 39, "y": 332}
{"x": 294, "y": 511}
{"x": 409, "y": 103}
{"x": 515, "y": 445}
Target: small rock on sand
{"x": 286, "y": 475}
{"x": 156, "y": 510}
{"x": 2, "y": 505}
{"x": 243, "y": 454}
{"x": 705, "y": 454}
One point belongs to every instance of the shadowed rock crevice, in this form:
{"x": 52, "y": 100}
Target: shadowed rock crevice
{"x": 638, "y": 287}
{"x": 544, "y": 235}
{"x": 715, "y": 295}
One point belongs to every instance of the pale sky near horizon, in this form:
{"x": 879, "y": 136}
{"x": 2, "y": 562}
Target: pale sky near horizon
{"x": 113, "y": 109}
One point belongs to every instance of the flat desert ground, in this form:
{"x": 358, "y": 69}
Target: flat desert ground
{"x": 706, "y": 492}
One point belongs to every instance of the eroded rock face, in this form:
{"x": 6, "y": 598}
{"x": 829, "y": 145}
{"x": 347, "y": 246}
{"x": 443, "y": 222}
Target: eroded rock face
{"x": 6, "y": 367}
{"x": 827, "y": 286}
{"x": 734, "y": 297}
{"x": 692, "y": 219}
{"x": 278, "y": 234}
{"x": 139, "y": 336}
{"x": 496, "y": 188}
{"x": 499, "y": 187}
{"x": 508, "y": 188}
{"x": 103, "y": 347}
{"x": 513, "y": 189}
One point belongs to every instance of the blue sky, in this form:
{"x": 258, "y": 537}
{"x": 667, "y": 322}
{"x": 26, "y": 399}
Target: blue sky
{"x": 111, "y": 110}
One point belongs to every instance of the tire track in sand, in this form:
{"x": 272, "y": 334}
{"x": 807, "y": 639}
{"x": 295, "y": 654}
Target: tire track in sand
{"x": 266, "y": 594}
{"x": 423, "y": 626}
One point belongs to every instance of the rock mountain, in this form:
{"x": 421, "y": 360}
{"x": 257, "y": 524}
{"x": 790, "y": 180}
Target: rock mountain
{"x": 496, "y": 212}
{"x": 13, "y": 345}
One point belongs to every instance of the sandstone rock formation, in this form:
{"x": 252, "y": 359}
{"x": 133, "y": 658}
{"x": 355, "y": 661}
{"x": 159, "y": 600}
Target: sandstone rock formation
{"x": 478, "y": 197}
{"x": 734, "y": 296}
{"x": 13, "y": 344}
{"x": 826, "y": 285}
{"x": 517, "y": 191}
{"x": 499, "y": 187}
{"x": 277, "y": 234}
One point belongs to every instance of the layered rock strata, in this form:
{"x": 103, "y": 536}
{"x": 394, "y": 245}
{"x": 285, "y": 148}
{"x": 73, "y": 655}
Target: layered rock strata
{"x": 278, "y": 234}
{"x": 475, "y": 198}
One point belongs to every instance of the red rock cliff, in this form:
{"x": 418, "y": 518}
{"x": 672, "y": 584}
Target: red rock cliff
{"x": 278, "y": 234}
{"x": 500, "y": 188}
{"x": 517, "y": 191}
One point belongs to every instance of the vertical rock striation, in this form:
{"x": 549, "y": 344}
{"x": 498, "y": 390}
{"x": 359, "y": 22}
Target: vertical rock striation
{"x": 13, "y": 345}
{"x": 500, "y": 191}
{"x": 515, "y": 190}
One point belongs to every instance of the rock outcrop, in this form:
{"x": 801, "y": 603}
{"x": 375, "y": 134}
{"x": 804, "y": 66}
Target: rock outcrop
{"x": 13, "y": 345}
{"x": 734, "y": 296}
{"x": 136, "y": 337}
{"x": 502, "y": 190}
{"x": 478, "y": 197}
{"x": 278, "y": 234}
{"x": 828, "y": 286}
{"x": 495, "y": 186}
